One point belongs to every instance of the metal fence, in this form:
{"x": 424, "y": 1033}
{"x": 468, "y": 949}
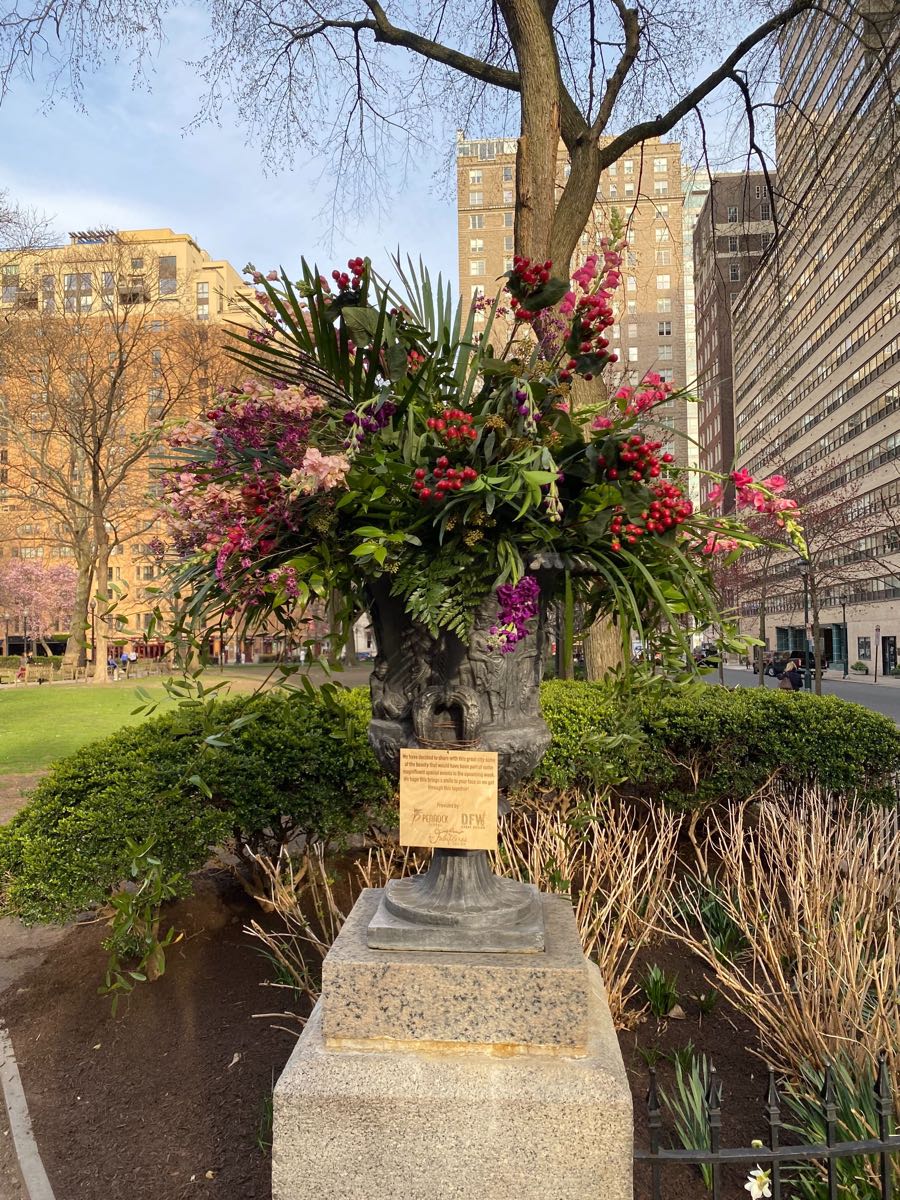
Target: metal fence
{"x": 777, "y": 1154}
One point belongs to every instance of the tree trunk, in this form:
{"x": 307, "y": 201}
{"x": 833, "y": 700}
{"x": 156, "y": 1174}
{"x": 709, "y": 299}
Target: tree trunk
{"x": 76, "y": 643}
{"x": 104, "y": 616}
{"x": 535, "y": 51}
{"x": 603, "y": 650}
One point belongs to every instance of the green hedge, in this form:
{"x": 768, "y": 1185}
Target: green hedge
{"x": 300, "y": 766}
{"x": 700, "y": 745}
{"x": 304, "y": 765}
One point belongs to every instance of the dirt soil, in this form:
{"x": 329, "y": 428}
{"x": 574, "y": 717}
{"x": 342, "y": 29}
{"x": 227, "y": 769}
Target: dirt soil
{"x": 152, "y": 1104}
{"x": 12, "y": 793}
{"x": 168, "y": 1099}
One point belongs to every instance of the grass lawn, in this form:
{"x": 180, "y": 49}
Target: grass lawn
{"x": 40, "y": 724}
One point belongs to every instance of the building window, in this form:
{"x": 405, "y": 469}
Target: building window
{"x": 663, "y": 258}
{"x": 667, "y": 376}
{"x": 48, "y": 293}
{"x": 613, "y": 192}
{"x": 476, "y": 198}
{"x": 664, "y": 328}
{"x": 630, "y": 284}
{"x": 661, "y": 235}
{"x": 632, "y": 331}
{"x": 664, "y": 304}
{"x": 137, "y": 264}
{"x": 662, "y": 210}
{"x": 766, "y": 240}
{"x": 765, "y": 211}
{"x": 508, "y": 241}
{"x": 632, "y": 353}
{"x": 202, "y": 291}
{"x": 632, "y": 308}
{"x": 476, "y": 245}
{"x": 732, "y": 213}
{"x": 475, "y": 177}
{"x": 663, "y": 283}
{"x": 476, "y": 220}
{"x": 864, "y": 648}
{"x": 665, "y": 352}
{"x": 508, "y": 220}
{"x": 507, "y": 196}
{"x": 629, "y": 189}
{"x": 758, "y": 191}
{"x": 477, "y": 266}
{"x": 77, "y": 292}
{"x": 661, "y": 187}
{"x": 477, "y": 290}
{"x": 613, "y": 168}
{"x": 629, "y": 166}
{"x": 168, "y": 275}
{"x": 734, "y": 273}
{"x": 507, "y": 174}
{"x": 661, "y": 166}
{"x": 732, "y": 244}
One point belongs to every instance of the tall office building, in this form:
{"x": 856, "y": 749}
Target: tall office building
{"x": 647, "y": 189}
{"x": 734, "y": 229}
{"x": 817, "y": 330}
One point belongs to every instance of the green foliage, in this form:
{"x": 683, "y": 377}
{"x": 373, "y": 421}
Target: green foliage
{"x": 683, "y": 1056}
{"x": 694, "y": 745}
{"x": 661, "y": 991}
{"x": 136, "y": 951}
{"x": 701, "y": 902}
{"x": 687, "y": 1104}
{"x": 857, "y": 1121}
{"x": 281, "y": 764}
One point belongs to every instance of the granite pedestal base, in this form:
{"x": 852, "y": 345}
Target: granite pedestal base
{"x": 429, "y": 1076}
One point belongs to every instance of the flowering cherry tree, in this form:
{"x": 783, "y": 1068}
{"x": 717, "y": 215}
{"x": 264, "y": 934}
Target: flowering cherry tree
{"x": 45, "y": 593}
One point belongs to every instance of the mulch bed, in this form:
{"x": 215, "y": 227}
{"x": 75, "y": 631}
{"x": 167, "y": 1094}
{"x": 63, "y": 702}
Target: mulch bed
{"x": 151, "y": 1104}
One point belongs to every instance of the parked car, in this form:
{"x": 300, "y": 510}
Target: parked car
{"x": 780, "y": 661}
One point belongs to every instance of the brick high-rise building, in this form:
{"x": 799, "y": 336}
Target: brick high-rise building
{"x": 647, "y": 189}
{"x": 817, "y": 330}
{"x": 734, "y": 229}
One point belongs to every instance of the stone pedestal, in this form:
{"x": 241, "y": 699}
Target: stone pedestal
{"x": 455, "y": 1076}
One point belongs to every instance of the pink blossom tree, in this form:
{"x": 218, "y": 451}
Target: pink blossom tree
{"x": 45, "y": 593}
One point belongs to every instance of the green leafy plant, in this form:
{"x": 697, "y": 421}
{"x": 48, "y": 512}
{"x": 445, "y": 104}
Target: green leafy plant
{"x": 857, "y": 1121}
{"x": 702, "y": 902}
{"x": 707, "y": 1001}
{"x": 265, "y": 1122}
{"x": 137, "y": 952}
{"x": 661, "y": 991}
{"x": 687, "y": 1104}
{"x": 683, "y": 1056}
{"x": 651, "y": 1054}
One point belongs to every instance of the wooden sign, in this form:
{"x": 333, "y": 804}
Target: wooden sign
{"x": 448, "y": 798}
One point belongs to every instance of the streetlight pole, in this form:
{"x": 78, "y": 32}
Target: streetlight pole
{"x": 804, "y": 571}
{"x": 6, "y": 635}
{"x": 25, "y": 634}
{"x": 876, "y": 648}
{"x": 843, "y": 603}
{"x": 93, "y": 632}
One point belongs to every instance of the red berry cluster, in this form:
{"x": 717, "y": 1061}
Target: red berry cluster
{"x": 639, "y": 459}
{"x": 667, "y": 508}
{"x": 442, "y": 480}
{"x": 453, "y": 425}
{"x": 357, "y": 270}
{"x": 593, "y": 315}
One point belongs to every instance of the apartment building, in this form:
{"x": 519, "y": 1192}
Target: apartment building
{"x": 817, "y": 330}
{"x": 130, "y": 314}
{"x": 734, "y": 229}
{"x": 647, "y": 189}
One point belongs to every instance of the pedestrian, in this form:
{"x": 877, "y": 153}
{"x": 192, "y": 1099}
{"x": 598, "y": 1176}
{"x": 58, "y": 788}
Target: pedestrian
{"x": 22, "y": 673}
{"x": 113, "y": 667}
{"x": 124, "y": 663}
{"x": 797, "y": 675}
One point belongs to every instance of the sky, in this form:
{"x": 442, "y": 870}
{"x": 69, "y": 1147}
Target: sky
{"x": 126, "y": 163}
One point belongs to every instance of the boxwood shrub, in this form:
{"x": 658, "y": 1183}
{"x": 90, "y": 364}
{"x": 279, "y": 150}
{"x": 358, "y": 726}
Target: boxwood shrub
{"x": 303, "y": 765}
{"x": 300, "y": 766}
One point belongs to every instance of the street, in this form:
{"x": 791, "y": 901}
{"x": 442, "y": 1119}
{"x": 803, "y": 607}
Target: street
{"x": 880, "y": 697}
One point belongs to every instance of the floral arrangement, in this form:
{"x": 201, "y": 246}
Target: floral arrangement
{"x": 387, "y": 432}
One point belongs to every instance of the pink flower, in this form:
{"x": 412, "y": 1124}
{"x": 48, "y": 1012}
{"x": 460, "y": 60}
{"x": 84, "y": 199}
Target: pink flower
{"x": 272, "y": 275}
{"x": 775, "y": 483}
{"x": 586, "y": 275}
{"x": 567, "y": 304}
{"x": 601, "y": 423}
{"x": 742, "y": 478}
{"x": 714, "y": 494}
{"x": 318, "y": 472}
